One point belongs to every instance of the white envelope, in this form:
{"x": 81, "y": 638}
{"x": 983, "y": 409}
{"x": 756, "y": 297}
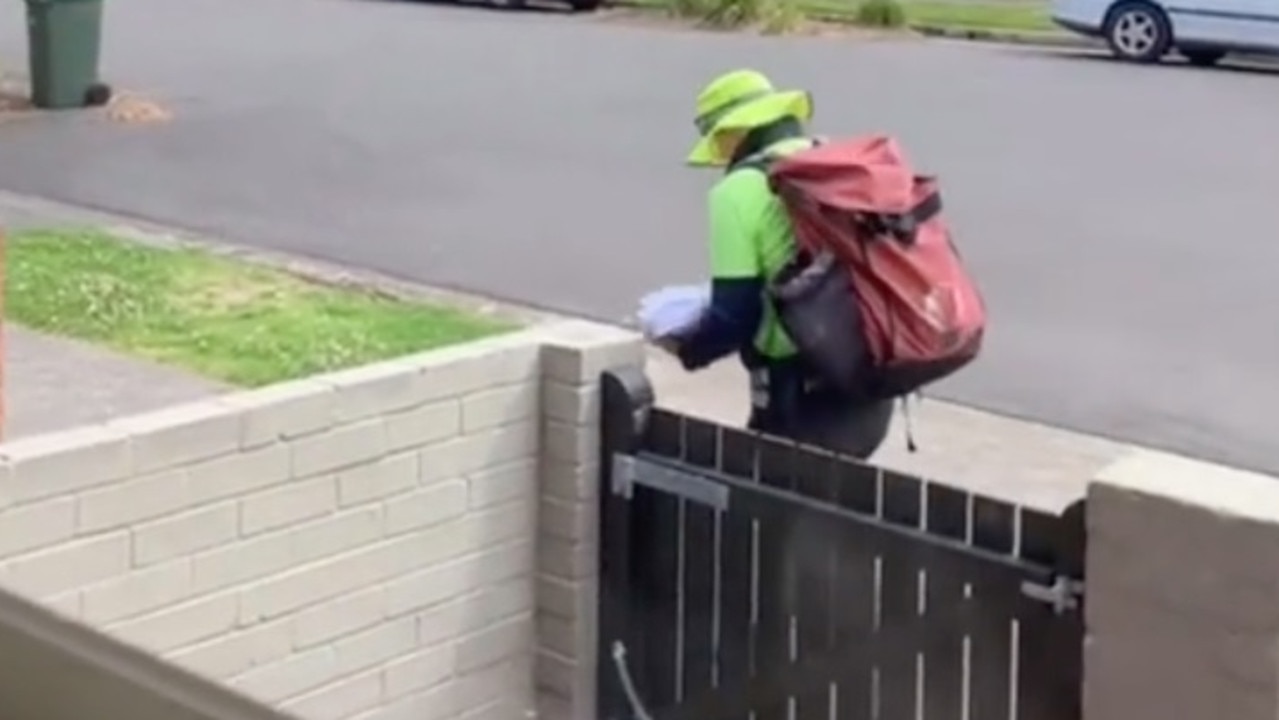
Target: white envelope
{"x": 672, "y": 310}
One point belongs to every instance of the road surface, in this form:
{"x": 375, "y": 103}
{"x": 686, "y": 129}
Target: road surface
{"x": 1120, "y": 218}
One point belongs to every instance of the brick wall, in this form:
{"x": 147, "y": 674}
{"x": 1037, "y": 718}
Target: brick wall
{"x": 1183, "y": 592}
{"x": 406, "y": 540}
{"x": 416, "y": 540}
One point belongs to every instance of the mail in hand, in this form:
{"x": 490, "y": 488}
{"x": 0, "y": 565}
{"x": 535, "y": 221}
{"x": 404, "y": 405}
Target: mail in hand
{"x": 673, "y": 310}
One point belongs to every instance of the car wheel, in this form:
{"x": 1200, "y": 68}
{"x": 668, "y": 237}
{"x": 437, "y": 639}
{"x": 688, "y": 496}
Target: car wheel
{"x": 1138, "y": 31}
{"x": 1202, "y": 58}
{"x": 585, "y": 5}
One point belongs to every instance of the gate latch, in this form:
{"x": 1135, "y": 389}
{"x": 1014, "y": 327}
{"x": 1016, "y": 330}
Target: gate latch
{"x": 1063, "y": 594}
{"x": 630, "y": 471}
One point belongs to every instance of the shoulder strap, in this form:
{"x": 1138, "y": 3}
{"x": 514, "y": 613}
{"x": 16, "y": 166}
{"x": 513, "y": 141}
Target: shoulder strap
{"x": 762, "y": 160}
{"x": 759, "y": 161}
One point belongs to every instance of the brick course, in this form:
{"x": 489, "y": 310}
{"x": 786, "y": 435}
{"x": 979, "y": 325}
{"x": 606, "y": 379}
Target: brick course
{"x": 372, "y": 544}
{"x": 417, "y": 539}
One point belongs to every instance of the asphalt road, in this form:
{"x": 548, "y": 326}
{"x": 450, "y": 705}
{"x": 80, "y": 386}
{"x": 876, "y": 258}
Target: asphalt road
{"x": 1122, "y": 219}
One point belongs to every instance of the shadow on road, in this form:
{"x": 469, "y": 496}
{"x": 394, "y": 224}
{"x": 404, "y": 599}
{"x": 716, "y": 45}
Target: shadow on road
{"x": 1242, "y": 64}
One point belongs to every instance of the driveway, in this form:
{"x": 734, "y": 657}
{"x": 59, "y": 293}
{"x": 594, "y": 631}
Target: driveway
{"x": 1121, "y": 218}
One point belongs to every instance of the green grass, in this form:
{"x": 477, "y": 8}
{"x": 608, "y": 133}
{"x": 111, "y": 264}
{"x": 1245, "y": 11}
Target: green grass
{"x": 244, "y": 324}
{"x": 1008, "y": 15}
{"x": 1016, "y": 16}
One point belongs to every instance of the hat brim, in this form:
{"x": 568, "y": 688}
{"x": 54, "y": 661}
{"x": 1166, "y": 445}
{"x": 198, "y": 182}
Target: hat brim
{"x": 789, "y": 103}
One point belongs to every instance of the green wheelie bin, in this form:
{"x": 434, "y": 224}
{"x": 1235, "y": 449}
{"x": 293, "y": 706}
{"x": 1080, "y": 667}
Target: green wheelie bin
{"x": 64, "y": 39}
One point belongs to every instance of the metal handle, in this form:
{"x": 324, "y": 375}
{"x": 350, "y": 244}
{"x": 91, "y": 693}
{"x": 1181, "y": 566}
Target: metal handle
{"x": 1063, "y": 594}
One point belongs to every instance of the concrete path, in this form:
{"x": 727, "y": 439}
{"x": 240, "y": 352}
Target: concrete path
{"x": 1003, "y": 457}
{"x": 53, "y": 384}
{"x": 537, "y": 156}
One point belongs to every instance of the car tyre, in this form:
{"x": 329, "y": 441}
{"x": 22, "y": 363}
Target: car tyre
{"x": 1202, "y": 58}
{"x": 585, "y": 5}
{"x": 1138, "y": 32}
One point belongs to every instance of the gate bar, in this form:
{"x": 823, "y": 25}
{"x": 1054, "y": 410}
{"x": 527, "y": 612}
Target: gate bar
{"x": 629, "y": 471}
{"x": 732, "y": 485}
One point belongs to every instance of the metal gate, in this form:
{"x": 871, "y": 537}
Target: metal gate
{"x": 744, "y": 577}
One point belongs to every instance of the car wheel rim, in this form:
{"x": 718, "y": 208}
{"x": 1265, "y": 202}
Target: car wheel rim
{"x": 1136, "y": 33}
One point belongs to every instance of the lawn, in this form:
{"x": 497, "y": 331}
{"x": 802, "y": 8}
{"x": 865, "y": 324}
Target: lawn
{"x": 1017, "y": 16}
{"x": 245, "y": 324}
{"x": 1031, "y": 16}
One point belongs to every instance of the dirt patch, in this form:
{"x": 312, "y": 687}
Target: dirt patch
{"x": 216, "y": 288}
{"x": 14, "y": 102}
{"x": 15, "y": 98}
{"x": 133, "y": 109}
{"x": 128, "y": 108}
{"x": 228, "y": 296}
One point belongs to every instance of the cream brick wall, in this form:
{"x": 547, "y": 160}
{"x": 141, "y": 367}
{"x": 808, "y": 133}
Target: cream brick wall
{"x": 412, "y": 539}
{"x": 417, "y": 539}
{"x": 1183, "y": 592}
{"x": 568, "y": 547}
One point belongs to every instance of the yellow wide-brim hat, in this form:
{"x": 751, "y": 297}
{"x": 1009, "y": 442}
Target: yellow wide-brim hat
{"x": 737, "y": 101}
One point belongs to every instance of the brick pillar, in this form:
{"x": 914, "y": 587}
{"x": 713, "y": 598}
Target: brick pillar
{"x": 573, "y": 357}
{"x": 1182, "y": 593}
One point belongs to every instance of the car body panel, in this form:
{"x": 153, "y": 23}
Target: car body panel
{"x": 1086, "y": 17}
{"x": 1228, "y": 25}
